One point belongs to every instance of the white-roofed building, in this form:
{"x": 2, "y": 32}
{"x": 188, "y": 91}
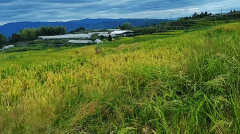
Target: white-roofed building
{"x": 6, "y": 47}
{"x": 67, "y": 36}
{"x": 98, "y": 41}
{"x": 80, "y": 41}
{"x": 103, "y": 34}
{"x": 122, "y": 33}
{"x": 106, "y": 35}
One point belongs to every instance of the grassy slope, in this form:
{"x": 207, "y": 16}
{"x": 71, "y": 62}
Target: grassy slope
{"x": 181, "y": 84}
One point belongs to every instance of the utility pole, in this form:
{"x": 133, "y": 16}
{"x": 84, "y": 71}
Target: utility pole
{"x": 221, "y": 11}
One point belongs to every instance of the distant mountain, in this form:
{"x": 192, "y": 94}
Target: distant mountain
{"x": 91, "y": 24}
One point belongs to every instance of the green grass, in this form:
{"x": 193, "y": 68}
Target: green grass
{"x": 131, "y": 40}
{"x": 170, "y": 32}
{"x": 188, "y": 83}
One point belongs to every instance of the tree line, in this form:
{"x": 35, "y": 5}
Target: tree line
{"x": 3, "y": 40}
{"x": 80, "y": 29}
{"x": 125, "y": 26}
{"x": 231, "y": 14}
{"x": 29, "y": 34}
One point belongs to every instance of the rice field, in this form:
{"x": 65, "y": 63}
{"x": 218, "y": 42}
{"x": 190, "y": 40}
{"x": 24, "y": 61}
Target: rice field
{"x": 171, "y": 32}
{"x": 186, "y": 83}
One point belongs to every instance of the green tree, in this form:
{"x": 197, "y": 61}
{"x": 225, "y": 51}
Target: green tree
{"x": 3, "y": 40}
{"x": 27, "y": 34}
{"x": 126, "y": 26}
{"x": 61, "y": 30}
{"x": 15, "y": 38}
{"x": 109, "y": 38}
{"x": 163, "y": 23}
{"x": 46, "y": 31}
{"x": 202, "y": 14}
{"x": 80, "y": 29}
{"x": 206, "y": 13}
{"x": 51, "y": 30}
{"x": 94, "y": 37}
{"x": 101, "y": 37}
{"x": 119, "y": 27}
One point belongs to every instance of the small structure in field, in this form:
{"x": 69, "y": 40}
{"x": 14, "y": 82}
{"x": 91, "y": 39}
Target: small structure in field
{"x": 103, "y": 34}
{"x": 122, "y": 33}
{"x": 6, "y": 47}
{"x": 80, "y": 41}
{"x": 98, "y": 41}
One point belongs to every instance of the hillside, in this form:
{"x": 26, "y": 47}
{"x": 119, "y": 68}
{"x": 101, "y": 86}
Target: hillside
{"x": 186, "y": 83}
{"x": 91, "y": 24}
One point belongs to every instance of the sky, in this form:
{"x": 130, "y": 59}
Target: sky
{"x": 66, "y": 10}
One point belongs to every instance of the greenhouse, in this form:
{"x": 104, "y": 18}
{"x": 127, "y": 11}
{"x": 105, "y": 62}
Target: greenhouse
{"x": 67, "y": 36}
{"x": 80, "y": 41}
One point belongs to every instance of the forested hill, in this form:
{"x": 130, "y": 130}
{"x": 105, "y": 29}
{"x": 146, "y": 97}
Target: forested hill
{"x": 10, "y": 28}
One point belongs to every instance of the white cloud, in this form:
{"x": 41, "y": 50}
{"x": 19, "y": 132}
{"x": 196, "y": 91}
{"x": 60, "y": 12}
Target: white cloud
{"x": 43, "y": 10}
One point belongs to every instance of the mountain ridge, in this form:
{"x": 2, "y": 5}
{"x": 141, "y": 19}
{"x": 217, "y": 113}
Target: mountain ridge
{"x": 91, "y": 24}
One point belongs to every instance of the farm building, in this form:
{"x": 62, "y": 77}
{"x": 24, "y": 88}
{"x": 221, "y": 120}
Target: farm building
{"x": 106, "y": 34}
{"x": 67, "y": 36}
{"x": 80, "y": 41}
{"x": 103, "y": 34}
{"x": 6, "y": 47}
{"x": 122, "y": 33}
{"x": 98, "y": 41}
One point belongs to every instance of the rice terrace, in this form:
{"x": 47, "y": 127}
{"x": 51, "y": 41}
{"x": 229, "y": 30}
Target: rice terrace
{"x": 120, "y": 76}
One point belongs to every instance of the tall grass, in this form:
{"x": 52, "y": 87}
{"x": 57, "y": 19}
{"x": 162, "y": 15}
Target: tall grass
{"x": 180, "y": 84}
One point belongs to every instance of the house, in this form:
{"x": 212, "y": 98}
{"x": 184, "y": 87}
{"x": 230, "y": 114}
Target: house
{"x": 123, "y": 33}
{"x": 80, "y": 41}
{"x": 98, "y": 41}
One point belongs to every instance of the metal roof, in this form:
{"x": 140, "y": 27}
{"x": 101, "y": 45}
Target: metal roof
{"x": 103, "y": 34}
{"x": 6, "y": 47}
{"x": 67, "y": 36}
{"x": 98, "y": 41}
{"x": 80, "y": 41}
{"x": 122, "y": 32}
{"x": 92, "y": 33}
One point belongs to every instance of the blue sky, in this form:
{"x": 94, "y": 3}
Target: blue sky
{"x": 65, "y": 10}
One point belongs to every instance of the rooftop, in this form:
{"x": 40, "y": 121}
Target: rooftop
{"x": 66, "y": 36}
{"x": 98, "y": 41}
{"x": 121, "y": 32}
{"x": 80, "y": 41}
